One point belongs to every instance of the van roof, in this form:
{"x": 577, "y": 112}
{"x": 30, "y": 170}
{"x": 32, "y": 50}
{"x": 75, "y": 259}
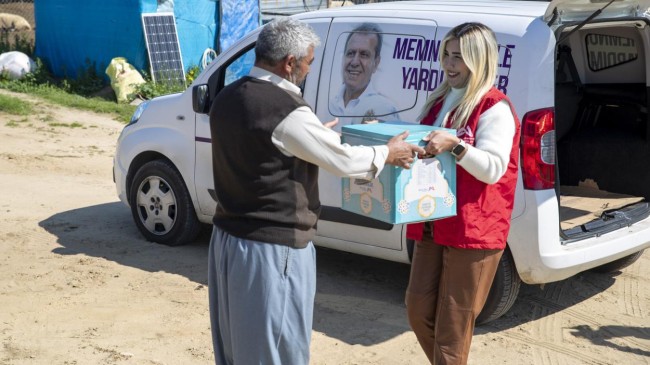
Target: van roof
{"x": 487, "y": 7}
{"x": 555, "y": 11}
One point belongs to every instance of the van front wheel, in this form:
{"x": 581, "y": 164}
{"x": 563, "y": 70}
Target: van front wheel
{"x": 161, "y": 205}
{"x": 503, "y": 292}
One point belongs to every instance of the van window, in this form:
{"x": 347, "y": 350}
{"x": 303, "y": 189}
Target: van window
{"x": 377, "y": 69}
{"x": 362, "y": 86}
{"x": 240, "y": 66}
{"x": 605, "y": 51}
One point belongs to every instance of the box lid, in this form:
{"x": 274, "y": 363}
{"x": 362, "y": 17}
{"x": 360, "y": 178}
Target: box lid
{"x": 386, "y": 131}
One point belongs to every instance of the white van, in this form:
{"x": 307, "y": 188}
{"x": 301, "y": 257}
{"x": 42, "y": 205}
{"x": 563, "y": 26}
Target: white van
{"x": 577, "y": 72}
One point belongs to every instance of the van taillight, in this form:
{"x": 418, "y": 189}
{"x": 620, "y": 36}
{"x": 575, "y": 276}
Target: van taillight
{"x": 538, "y": 149}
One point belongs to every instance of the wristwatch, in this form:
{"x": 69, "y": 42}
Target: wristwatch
{"x": 458, "y": 149}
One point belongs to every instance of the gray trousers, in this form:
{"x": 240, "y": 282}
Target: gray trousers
{"x": 261, "y": 301}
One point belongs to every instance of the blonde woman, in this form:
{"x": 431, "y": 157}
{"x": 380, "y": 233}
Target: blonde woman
{"x": 454, "y": 267}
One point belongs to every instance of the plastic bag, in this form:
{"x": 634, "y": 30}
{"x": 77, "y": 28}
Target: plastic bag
{"x": 124, "y": 78}
{"x": 16, "y": 64}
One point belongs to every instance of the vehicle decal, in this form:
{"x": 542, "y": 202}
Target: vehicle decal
{"x": 421, "y": 50}
{"x": 426, "y": 52}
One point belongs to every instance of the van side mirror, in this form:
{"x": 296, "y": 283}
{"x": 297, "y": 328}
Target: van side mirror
{"x": 201, "y": 99}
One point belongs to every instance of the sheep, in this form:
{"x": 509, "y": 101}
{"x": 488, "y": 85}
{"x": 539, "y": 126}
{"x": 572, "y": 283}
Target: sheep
{"x": 13, "y": 22}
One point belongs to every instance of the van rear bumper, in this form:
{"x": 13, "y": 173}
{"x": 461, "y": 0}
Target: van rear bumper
{"x": 542, "y": 257}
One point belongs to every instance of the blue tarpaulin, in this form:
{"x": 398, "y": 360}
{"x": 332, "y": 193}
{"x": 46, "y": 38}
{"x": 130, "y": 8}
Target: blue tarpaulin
{"x": 237, "y": 19}
{"x": 196, "y": 22}
{"x": 72, "y": 34}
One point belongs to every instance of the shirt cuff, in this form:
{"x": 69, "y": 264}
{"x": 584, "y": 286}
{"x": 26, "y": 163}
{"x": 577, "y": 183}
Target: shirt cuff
{"x": 381, "y": 154}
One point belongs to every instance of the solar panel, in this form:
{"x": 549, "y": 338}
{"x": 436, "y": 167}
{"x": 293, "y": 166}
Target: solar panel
{"x": 163, "y": 48}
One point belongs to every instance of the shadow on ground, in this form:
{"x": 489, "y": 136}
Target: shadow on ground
{"x": 538, "y": 301}
{"x": 610, "y": 335}
{"x": 108, "y": 231}
{"x": 360, "y": 300}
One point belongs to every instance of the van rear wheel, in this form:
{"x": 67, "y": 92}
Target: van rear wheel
{"x": 503, "y": 292}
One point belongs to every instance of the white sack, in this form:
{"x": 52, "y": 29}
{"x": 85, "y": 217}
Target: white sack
{"x": 16, "y": 64}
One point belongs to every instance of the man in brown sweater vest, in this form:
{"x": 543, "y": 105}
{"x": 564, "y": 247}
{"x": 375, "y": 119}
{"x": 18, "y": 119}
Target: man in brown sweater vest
{"x": 267, "y": 148}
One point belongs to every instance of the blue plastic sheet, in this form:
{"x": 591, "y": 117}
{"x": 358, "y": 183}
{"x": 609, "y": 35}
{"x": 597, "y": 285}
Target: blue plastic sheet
{"x": 231, "y": 30}
{"x": 196, "y": 23}
{"x": 237, "y": 19}
{"x": 72, "y": 35}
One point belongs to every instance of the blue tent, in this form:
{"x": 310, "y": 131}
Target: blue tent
{"x": 71, "y": 35}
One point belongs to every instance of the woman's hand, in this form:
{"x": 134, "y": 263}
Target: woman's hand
{"x": 439, "y": 142}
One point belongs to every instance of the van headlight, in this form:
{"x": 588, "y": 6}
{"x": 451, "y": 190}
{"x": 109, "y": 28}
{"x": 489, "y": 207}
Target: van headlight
{"x": 138, "y": 112}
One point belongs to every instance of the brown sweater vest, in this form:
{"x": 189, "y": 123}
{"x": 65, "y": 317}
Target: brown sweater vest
{"x": 262, "y": 194}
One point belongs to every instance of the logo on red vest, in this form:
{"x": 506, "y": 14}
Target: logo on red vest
{"x": 466, "y": 135}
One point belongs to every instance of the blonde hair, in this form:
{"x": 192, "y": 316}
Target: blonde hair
{"x": 479, "y": 49}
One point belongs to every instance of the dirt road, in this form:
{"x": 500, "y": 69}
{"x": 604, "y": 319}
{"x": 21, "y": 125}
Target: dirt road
{"x": 79, "y": 285}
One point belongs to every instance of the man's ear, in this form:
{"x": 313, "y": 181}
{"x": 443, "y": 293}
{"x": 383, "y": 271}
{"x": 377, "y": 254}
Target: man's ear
{"x": 289, "y": 63}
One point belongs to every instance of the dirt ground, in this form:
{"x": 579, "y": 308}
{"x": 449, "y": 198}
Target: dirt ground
{"x": 79, "y": 284}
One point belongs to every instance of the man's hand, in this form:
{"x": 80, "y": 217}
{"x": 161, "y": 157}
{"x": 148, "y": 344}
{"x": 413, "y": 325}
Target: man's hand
{"x": 400, "y": 153}
{"x": 331, "y": 123}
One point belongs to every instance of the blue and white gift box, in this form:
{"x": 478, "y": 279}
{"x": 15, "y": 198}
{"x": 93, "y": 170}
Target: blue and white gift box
{"x": 426, "y": 191}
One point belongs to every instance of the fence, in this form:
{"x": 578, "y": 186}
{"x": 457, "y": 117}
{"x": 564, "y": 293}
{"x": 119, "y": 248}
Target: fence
{"x": 23, "y": 26}
{"x": 25, "y": 8}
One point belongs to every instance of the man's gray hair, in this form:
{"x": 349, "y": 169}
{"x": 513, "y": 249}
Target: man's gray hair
{"x": 283, "y": 37}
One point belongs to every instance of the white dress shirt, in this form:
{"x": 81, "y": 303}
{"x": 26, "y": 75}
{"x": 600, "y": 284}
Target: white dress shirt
{"x": 301, "y": 134}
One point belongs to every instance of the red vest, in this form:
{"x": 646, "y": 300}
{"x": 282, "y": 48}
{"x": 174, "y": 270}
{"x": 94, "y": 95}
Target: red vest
{"x": 483, "y": 211}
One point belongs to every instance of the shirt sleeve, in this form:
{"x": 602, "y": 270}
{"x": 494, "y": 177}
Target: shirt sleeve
{"x": 301, "y": 134}
{"x": 488, "y": 159}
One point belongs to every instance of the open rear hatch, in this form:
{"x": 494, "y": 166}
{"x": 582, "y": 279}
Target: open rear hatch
{"x": 601, "y": 111}
{"x": 573, "y": 12}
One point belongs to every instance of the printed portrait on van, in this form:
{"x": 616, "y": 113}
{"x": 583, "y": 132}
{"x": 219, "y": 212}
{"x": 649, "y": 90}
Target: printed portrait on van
{"x": 361, "y": 91}
{"x": 384, "y": 73}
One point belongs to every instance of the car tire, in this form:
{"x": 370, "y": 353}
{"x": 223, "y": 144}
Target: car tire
{"x": 504, "y": 290}
{"x": 161, "y": 205}
{"x": 618, "y": 265}
{"x": 410, "y": 248}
